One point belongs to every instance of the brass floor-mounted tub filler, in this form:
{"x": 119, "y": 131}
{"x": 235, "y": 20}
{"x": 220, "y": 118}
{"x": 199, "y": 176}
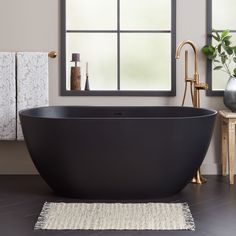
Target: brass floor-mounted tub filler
{"x": 195, "y": 87}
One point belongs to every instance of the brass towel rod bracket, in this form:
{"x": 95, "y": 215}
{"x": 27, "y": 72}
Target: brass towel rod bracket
{"x": 52, "y": 54}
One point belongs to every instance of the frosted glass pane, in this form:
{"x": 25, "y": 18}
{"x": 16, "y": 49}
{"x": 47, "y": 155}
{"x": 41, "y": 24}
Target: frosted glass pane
{"x": 223, "y": 14}
{"x": 219, "y": 78}
{"x": 100, "y": 51}
{"x": 91, "y": 14}
{"x": 145, "y": 14}
{"x": 145, "y": 61}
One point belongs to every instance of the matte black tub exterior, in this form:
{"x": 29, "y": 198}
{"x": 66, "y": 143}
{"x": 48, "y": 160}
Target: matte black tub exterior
{"x": 117, "y": 152}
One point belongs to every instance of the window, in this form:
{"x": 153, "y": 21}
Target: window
{"x": 129, "y": 46}
{"x": 220, "y": 16}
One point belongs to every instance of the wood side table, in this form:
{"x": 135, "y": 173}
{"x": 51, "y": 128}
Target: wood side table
{"x": 228, "y": 122}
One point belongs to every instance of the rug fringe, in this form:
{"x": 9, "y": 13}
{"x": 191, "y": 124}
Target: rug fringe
{"x": 42, "y": 219}
{"x": 190, "y": 225}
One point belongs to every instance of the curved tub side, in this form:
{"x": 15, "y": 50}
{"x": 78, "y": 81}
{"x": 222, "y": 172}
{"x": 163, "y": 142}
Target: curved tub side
{"x": 117, "y": 158}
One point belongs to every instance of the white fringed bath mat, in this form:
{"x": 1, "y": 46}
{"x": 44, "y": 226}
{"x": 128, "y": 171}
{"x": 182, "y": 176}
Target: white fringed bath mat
{"x": 115, "y": 216}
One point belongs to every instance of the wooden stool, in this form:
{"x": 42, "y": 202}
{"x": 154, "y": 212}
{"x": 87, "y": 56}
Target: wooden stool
{"x": 228, "y": 122}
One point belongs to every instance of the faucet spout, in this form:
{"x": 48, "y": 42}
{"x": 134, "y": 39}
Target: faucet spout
{"x": 195, "y": 80}
{"x": 178, "y": 51}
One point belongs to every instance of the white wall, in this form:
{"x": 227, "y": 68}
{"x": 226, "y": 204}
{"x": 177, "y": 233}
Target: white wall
{"x": 33, "y": 25}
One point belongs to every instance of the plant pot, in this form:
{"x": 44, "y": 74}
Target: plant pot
{"x": 230, "y": 94}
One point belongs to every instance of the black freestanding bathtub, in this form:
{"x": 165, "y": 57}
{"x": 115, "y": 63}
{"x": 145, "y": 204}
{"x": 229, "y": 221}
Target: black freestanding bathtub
{"x": 117, "y": 152}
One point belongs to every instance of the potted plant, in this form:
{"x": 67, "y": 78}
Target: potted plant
{"x": 223, "y": 57}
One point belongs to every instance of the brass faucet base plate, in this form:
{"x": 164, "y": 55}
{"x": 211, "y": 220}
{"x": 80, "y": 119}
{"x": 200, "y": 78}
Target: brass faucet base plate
{"x": 198, "y": 179}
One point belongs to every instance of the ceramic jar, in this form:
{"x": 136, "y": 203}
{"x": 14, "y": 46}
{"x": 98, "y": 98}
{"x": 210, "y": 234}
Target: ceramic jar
{"x": 230, "y": 94}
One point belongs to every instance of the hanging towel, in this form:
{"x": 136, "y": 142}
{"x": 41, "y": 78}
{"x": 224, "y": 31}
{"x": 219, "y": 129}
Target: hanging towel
{"x": 32, "y": 83}
{"x": 7, "y": 96}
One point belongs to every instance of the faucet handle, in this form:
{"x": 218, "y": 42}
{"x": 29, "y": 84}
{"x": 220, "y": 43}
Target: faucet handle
{"x": 201, "y": 86}
{"x": 189, "y": 79}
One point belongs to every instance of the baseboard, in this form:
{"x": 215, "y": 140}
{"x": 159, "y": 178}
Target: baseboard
{"x": 210, "y": 168}
{"x": 18, "y": 172}
{"x": 206, "y": 169}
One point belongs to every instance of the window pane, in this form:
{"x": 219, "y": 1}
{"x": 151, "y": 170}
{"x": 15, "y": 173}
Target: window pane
{"x": 223, "y": 14}
{"x": 145, "y": 61}
{"x": 219, "y": 78}
{"x": 145, "y": 14}
{"x": 91, "y": 14}
{"x": 100, "y": 51}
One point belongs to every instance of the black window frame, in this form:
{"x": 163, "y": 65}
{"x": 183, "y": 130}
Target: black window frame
{"x": 209, "y": 29}
{"x": 65, "y": 92}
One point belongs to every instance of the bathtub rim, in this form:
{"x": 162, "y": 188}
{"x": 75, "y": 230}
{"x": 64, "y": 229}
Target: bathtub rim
{"x": 211, "y": 112}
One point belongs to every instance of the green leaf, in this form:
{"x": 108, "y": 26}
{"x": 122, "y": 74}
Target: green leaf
{"x": 219, "y": 48}
{"x": 223, "y": 58}
{"x": 224, "y": 33}
{"x": 227, "y": 38}
{"x": 234, "y": 59}
{"x": 235, "y": 72}
{"x": 216, "y": 38}
{"x": 205, "y": 50}
{"x": 224, "y": 46}
{"x": 218, "y": 67}
{"x": 234, "y": 48}
{"x": 229, "y": 50}
{"x": 211, "y": 57}
{"x": 211, "y": 49}
{"x": 217, "y": 34}
{"x": 227, "y": 43}
{"x": 217, "y": 61}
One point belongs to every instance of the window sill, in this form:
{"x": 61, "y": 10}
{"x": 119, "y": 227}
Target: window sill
{"x": 215, "y": 93}
{"x": 118, "y": 93}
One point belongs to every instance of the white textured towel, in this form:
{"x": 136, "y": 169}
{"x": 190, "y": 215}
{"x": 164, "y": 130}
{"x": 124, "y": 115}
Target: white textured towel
{"x": 116, "y": 216}
{"x": 32, "y": 82}
{"x": 7, "y": 96}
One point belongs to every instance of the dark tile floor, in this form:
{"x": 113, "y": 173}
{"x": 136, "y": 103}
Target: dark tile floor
{"x": 213, "y": 206}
